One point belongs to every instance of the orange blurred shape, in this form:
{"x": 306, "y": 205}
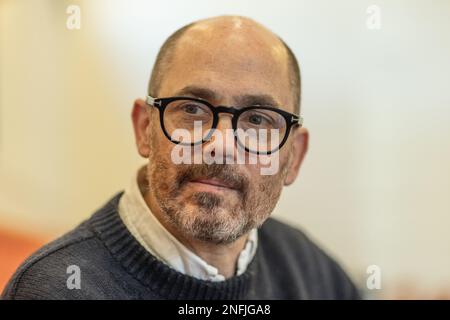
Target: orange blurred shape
{"x": 14, "y": 249}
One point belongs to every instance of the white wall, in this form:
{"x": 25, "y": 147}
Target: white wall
{"x": 374, "y": 188}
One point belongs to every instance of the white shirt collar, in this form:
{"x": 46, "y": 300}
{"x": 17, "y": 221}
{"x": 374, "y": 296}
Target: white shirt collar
{"x": 156, "y": 239}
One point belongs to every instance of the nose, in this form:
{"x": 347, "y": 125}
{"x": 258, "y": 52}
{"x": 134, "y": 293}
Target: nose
{"x": 222, "y": 144}
{"x": 225, "y": 121}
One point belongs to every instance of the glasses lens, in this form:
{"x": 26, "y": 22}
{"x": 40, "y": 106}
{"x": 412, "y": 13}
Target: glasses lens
{"x": 260, "y": 130}
{"x": 188, "y": 121}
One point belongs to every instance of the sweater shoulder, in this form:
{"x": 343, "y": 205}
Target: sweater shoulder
{"x": 286, "y": 236}
{"x": 322, "y": 276}
{"x": 45, "y": 274}
{"x": 41, "y": 273}
{"x": 289, "y": 241}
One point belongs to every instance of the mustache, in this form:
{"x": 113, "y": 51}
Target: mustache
{"x": 225, "y": 173}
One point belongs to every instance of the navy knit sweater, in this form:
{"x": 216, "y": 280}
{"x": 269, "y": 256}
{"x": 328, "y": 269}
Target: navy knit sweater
{"x": 113, "y": 265}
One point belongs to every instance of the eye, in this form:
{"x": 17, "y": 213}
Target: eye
{"x": 192, "y": 109}
{"x": 255, "y": 119}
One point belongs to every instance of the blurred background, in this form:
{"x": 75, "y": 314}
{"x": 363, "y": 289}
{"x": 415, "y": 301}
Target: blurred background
{"x": 374, "y": 188}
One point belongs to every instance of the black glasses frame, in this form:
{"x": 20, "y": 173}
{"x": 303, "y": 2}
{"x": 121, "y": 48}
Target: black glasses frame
{"x": 292, "y": 120}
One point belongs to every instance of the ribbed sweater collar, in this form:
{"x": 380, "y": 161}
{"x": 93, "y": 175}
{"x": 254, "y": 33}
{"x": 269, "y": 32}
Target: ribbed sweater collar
{"x": 162, "y": 280}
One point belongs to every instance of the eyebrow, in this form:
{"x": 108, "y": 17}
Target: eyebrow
{"x": 243, "y": 100}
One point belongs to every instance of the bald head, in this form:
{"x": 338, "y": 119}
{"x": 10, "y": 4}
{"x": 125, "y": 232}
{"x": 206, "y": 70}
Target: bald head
{"x": 233, "y": 43}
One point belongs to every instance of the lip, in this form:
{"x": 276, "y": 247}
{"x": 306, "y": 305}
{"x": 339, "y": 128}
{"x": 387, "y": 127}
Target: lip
{"x": 213, "y": 183}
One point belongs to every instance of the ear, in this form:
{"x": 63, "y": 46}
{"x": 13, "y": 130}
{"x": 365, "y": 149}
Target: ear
{"x": 299, "y": 147}
{"x": 141, "y": 122}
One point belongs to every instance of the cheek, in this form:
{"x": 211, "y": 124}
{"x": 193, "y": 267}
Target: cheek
{"x": 160, "y": 145}
{"x": 160, "y": 155}
{"x": 161, "y": 159}
{"x": 273, "y": 165}
{"x": 285, "y": 159}
{"x": 269, "y": 184}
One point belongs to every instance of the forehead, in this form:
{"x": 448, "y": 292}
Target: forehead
{"x": 231, "y": 63}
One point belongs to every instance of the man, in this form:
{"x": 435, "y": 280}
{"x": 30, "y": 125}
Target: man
{"x": 188, "y": 229}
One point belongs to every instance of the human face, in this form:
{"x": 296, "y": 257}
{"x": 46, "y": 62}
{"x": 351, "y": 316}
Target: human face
{"x": 219, "y": 202}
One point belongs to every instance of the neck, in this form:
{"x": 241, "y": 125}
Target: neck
{"x": 222, "y": 256}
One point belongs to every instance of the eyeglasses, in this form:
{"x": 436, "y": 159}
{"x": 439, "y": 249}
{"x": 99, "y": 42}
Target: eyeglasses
{"x": 258, "y": 129}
